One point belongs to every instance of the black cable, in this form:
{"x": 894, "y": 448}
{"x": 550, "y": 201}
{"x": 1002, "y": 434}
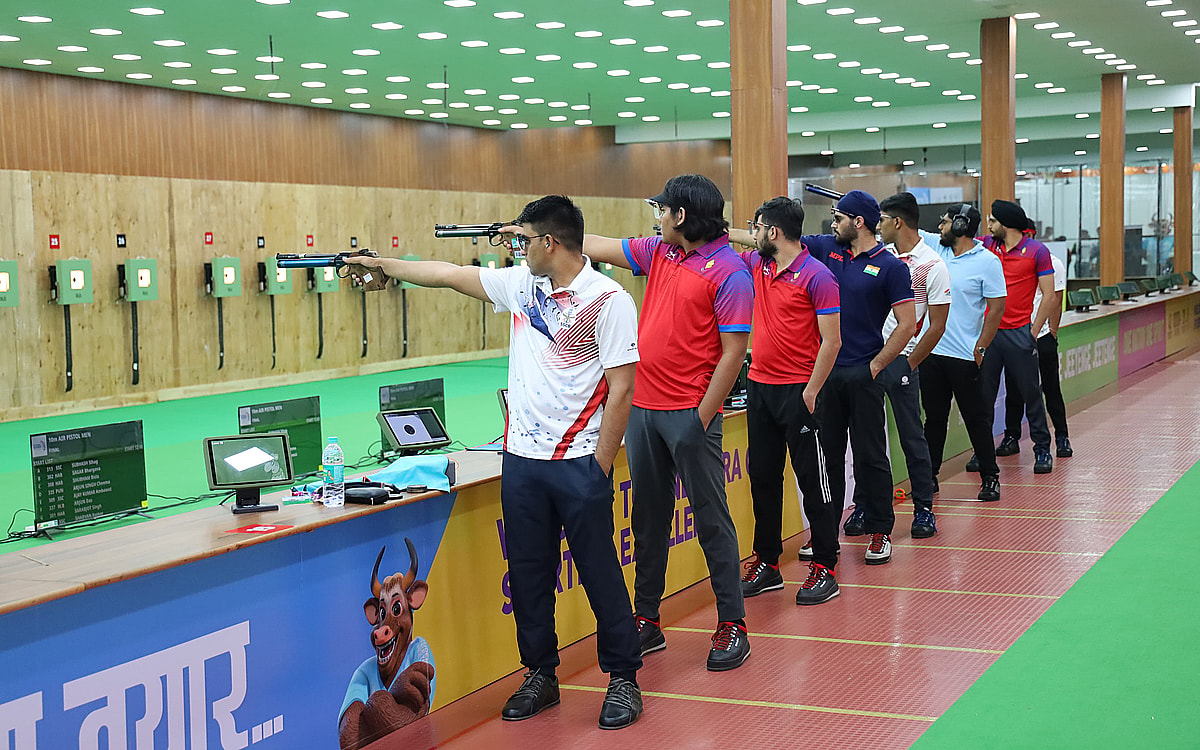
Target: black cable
{"x": 273, "y": 349}
{"x": 404, "y": 321}
{"x": 320, "y": 325}
{"x": 221, "y": 332}
{"x": 364, "y": 321}
{"x": 67, "y": 340}
{"x": 137, "y": 375}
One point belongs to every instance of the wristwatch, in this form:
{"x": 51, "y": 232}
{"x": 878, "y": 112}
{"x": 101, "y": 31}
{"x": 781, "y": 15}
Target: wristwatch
{"x": 981, "y": 350}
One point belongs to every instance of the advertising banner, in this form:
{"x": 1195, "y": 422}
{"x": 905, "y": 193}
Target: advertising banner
{"x": 1183, "y": 322}
{"x": 1143, "y": 338}
{"x": 1087, "y": 356}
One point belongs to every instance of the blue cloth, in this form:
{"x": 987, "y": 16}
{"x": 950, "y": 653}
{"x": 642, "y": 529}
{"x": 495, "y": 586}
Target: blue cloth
{"x": 407, "y": 470}
{"x": 365, "y": 679}
{"x": 871, "y": 283}
{"x": 974, "y": 276}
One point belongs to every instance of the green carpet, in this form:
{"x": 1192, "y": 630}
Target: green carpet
{"x": 173, "y": 431}
{"x": 1113, "y": 664}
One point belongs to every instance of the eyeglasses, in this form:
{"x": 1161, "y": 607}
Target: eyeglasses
{"x": 887, "y": 217}
{"x": 754, "y": 225}
{"x": 520, "y": 242}
{"x": 659, "y": 209}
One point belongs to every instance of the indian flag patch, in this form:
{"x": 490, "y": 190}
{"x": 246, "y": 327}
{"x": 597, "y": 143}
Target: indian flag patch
{"x": 873, "y": 270}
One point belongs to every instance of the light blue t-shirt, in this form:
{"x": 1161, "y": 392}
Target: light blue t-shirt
{"x": 975, "y": 276}
{"x": 365, "y": 679}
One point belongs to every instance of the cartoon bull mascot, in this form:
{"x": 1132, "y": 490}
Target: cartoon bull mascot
{"x": 395, "y": 686}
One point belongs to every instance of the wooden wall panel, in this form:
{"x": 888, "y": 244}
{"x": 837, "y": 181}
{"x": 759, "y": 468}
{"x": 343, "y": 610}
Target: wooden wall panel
{"x": 69, "y": 124}
{"x": 22, "y": 362}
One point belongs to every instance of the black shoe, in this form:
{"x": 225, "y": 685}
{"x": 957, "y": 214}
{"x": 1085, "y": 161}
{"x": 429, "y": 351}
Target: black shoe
{"x": 760, "y": 577}
{"x": 1064, "y": 447}
{"x": 1042, "y": 463}
{"x": 855, "y": 524}
{"x": 805, "y": 554}
{"x": 819, "y": 587}
{"x": 989, "y": 490}
{"x": 936, "y": 487}
{"x": 731, "y": 646}
{"x": 650, "y": 636}
{"x": 622, "y": 704}
{"x": 1008, "y": 447}
{"x": 973, "y": 464}
{"x": 538, "y": 692}
{"x": 923, "y": 525}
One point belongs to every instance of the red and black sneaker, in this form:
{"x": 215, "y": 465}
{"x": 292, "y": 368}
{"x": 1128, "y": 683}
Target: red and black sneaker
{"x": 731, "y": 646}
{"x": 650, "y": 636}
{"x": 819, "y": 587}
{"x": 760, "y": 576}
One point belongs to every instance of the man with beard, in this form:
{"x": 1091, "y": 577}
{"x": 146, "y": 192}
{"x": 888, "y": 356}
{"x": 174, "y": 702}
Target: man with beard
{"x": 796, "y": 339}
{"x": 872, "y": 282}
{"x": 977, "y": 300}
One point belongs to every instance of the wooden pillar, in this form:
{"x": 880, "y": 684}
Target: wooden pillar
{"x": 1112, "y": 178}
{"x": 998, "y": 112}
{"x": 1183, "y": 189}
{"x": 758, "y": 88}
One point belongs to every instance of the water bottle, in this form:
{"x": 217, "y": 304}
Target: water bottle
{"x": 333, "y": 476}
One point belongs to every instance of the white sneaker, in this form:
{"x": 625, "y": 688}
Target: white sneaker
{"x": 879, "y": 551}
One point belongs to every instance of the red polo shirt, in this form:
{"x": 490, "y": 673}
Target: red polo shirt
{"x": 1028, "y": 261}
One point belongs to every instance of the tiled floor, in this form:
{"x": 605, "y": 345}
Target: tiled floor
{"x": 875, "y": 666}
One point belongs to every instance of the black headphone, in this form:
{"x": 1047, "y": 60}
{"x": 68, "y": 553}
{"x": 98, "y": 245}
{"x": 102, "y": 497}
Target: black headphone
{"x": 960, "y": 225}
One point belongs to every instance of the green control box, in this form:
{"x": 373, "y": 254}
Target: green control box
{"x": 226, "y": 277}
{"x": 8, "y": 283}
{"x": 141, "y": 279}
{"x": 606, "y": 269}
{"x": 489, "y": 260}
{"x": 279, "y": 280}
{"x": 74, "y": 281}
{"x": 325, "y": 280}
{"x": 405, "y": 284}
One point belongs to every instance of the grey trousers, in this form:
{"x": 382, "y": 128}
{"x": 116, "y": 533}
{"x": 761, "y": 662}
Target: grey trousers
{"x": 1014, "y": 351}
{"x": 659, "y": 444}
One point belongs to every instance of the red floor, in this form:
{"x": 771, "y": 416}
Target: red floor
{"x": 875, "y": 666}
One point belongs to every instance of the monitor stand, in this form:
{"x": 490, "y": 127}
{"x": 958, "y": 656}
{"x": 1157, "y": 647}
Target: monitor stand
{"x": 247, "y": 501}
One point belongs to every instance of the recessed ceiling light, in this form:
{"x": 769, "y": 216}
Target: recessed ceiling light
{"x": 623, "y": 41}
{"x": 872, "y": 130}
{"x": 1173, "y": 13}
{"x": 358, "y": 91}
{"x": 267, "y": 77}
{"x": 509, "y": 15}
{"x": 431, "y": 35}
{"x": 1081, "y": 153}
{"x": 509, "y": 97}
{"x": 583, "y": 65}
{"x": 436, "y": 115}
{"x": 951, "y": 92}
{"x": 957, "y": 55}
{"x": 437, "y": 85}
{"x": 810, "y": 86}
{"x": 369, "y": 52}
{"x": 387, "y": 26}
{"x": 550, "y": 25}
{"x": 507, "y": 111}
{"x": 397, "y": 79}
{"x": 826, "y": 152}
{"x": 459, "y": 105}
{"x": 888, "y": 76}
{"x": 474, "y": 43}
{"x": 677, "y": 13}
{"x": 1044, "y": 85}
{"x": 459, "y": 3}
{"x": 483, "y": 108}
{"x": 807, "y": 134}
{"x": 547, "y": 58}
{"x": 313, "y": 84}
{"x": 871, "y": 71}
{"x": 867, "y": 21}
{"x": 224, "y": 71}
{"x": 861, "y": 99}
{"x": 522, "y": 79}
{"x": 920, "y": 84}
{"x": 798, "y": 110}
{"x": 1056, "y": 90}
{"x": 854, "y": 165}
{"x": 580, "y": 107}
{"x": 618, "y": 72}
{"x": 718, "y": 65}
{"x": 677, "y": 85}
{"x": 557, "y": 118}
{"x": 36, "y": 61}
{"x": 485, "y": 122}
{"x": 279, "y": 95}
{"x": 184, "y": 82}
{"x": 589, "y": 34}
{"x": 1181, "y": 24}
{"x": 688, "y": 57}
{"x": 535, "y": 100}
{"x": 937, "y": 47}
{"x": 966, "y": 97}
{"x": 1192, "y": 32}
{"x": 1166, "y": 131}
{"x": 395, "y": 96}
{"x": 1092, "y": 136}
{"x": 726, "y": 93}
{"x": 168, "y": 43}
{"x": 1022, "y": 140}
{"x": 269, "y": 59}
{"x": 1155, "y": 82}
{"x": 907, "y": 163}
{"x": 421, "y": 112}
{"x": 90, "y": 69}
{"x": 809, "y": 2}
{"x": 138, "y": 76}
{"x": 649, "y": 79}
{"x": 1079, "y": 43}
{"x": 354, "y": 72}
{"x": 840, "y": 11}
{"x": 824, "y": 56}
{"x": 849, "y": 64}
{"x": 512, "y": 50}
{"x": 798, "y": 48}
{"x": 974, "y": 61}
{"x": 128, "y": 57}
{"x": 519, "y": 125}
{"x": 313, "y": 66}
{"x": 710, "y": 23}
{"x": 9, "y": 38}
{"x": 638, "y": 3}
{"x": 655, "y": 48}
{"x": 651, "y": 118}
{"x": 1105, "y": 56}
{"x": 1118, "y": 61}
{"x": 365, "y": 105}
{"x": 890, "y": 29}
{"x": 916, "y": 38}
{"x": 72, "y": 48}
{"x": 881, "y": 104}
{"x": 146, "y": 11}
{"x": 1081, "y": 115}
{"x": 700, "y": 89}
{"x": 106, "y": 32}
{"x": 939, "y": 124}
{"x": 233, "y": 89}
{"x": 333, "y": 14}
{"x": 1093, "y": 50}
{"x": 720, "y": 114}
{"x": 795, "y": 83}
{"x": 1063, "y": 35}
{"x": 1046, "y": 25}
{"x": 222, "y": 51}
{"x": 1026, "y": 16}
{"x": 1020, "y": 76}
{"x": 905, "y": 80}
{"x": 627, "y": 114}
{"x": 827, "y": 90}
{"x": 1142, "y": 148}
{"x": 34, "y": 19}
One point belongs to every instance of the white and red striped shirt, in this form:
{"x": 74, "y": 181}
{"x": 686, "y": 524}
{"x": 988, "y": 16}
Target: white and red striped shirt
{"x": 931, "y": 286}
{"x": 560, "y": 342}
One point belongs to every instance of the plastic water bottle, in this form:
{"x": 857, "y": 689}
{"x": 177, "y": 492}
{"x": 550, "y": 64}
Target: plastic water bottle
{"x": 333, "y": 476}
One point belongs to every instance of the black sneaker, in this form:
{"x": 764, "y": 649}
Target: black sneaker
{"x": 731, "y": 646}
{"x": 760, "y": 577}
{"x": 805, "y": 554}
{"x": 1042, "y": 463}
{"x": 854, "y": 525}
{"x": 989, "y": 490}
{"x": 973, "y": 464}
{"x": 650, "y": 636}
{"x": 923, "y": 525}
{"x": 1008, "y": 447}
{"x": 622, "y": 704}
{"x": 1064, "y": 447}
{"x": 879, "y": 551}
{"x": 539, "y": 691}
{"x": 819, "y": 587}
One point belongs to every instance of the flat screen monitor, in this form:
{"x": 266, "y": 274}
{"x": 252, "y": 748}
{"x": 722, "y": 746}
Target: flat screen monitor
{"x": 1081, "y": 299}
{"x": 417, "y": 394}
{"x": 1149, "y": 286}
{"x": 1191, "y": 277}
{"x": 1178, "y": 280}
{"x": 502, "y": 396}
{"x": 300, "y": 418}
{"x": 1129, "y": 289}
{"x": 413, "y": 430}
{"x": 1108, "y": 293}
{"x": 87, "y": 472}
{"x": 246, "y": 464}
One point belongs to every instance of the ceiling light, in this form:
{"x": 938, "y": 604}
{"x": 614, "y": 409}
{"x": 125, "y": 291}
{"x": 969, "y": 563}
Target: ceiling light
{"x": 888, "y": 76}
{"x": 369, "y": 52}
{"x": 1173, "y": 13}
{"x": 106, "y": 32}
{"x": 437, "y": 115}
{"x": 397, "y": 79}
{"x": 630, "y": 99}
{"x": 1156, "y": 3}
{"x": 651, "y": 118}
{"x": 149, "y": 11}
{"x": 387, "y": 26}
{"x": 588, "y": 34}
{"x": 807, "y": 134}
{"x": 512, "y": 51}
{"x": 485, "y": 122}
{"x": 867, "y": 21}
{"x": 1026, "y": 16}
{"x": 484, "y": 108}
{"x": 580, "y": 107}
{"x": 798, "y": 48}
{"x": 397, "y": 96}
{"x": 519, "y": 125}
{"x": 1166, "y": 131}
{"x": 168, "y": 43}
{"x": 224, "y": 71}
{"x": 726, "y": 93}
{"x": 1092, "y": 136}
{"x": 1022, "y": 140}
{"x": 357, "y": 91}
{"x": 269, "y": 59}
{"x": 951, "y": 92}
{"x": 355, "y": 105}
{"x": 333, "y": 14}
{"x": 9, "y": 38}
{"x": 872, "y": 130}
{"x": 458, "y": 3}
{"x": 1063, "y": 35}
{"x": 904, "y": 80}
{"x": 138, "y": 76}
{"x": 1192, "y": 32}
{"x": 583, "y": 122}
{"x": 509, "y": 97}
{"x": 890, "y": 29}
{"x": 313, "y": 66}
{"x": 655, "y": 48}
{"x": 809, "y": 2}
{"x": 1181, "y": 24}
{"x": 700, "y": 89}
{"x": 507, "y": 111}
{"x": 939, "y": 124}
{"x": 1118, "y": 61}
{"x": 233, "y": 89}
{"x": 1158, "y": 109}
{"x": 937, "y": 47}
{"x": 550, "y": 25}
{"x": 90, "y": 69}
{"x": 718, "y": 65}
{"x": 627, "y": 114}
{"x": 431, "y": 35}
{"x": 849, "y": 64}
{"x": 354, "y": 72}
{"x": 881, "y": 104}
{"x": 1044, "y": 85}
{"x": 798, "y": 109}
{"x": 795, "y": 83}
{"x": 1093, "y": 50}
{"x": 827, "y": 152}
{"x": 475, "y": 92}
{"x": 522, "y": 79}
{"x": 649, "y": 79}
{"x": 840, "y": 11}
{"x": 1047, "y": 25}
{"x": 509, "y": 15}
{"x": 127, "y": 57}
{"x": 1021, "y": 76}
{"x": 557, "y": 118}
{"x": 966, "y": 97}
{"x": 810, "y": 87}
{"x": 1105, "y": 56}
{"x": 1155, "y": 82}
{"x": 1079, "y": 43}
{"x": 710, "y": 23}
{"x": 222, "y": 51}
{"x": 36, "y": 61}
{"x": 547, "y": 58}
{"x": 1081, "y": 153}
{"x": 1142, "y": 148}
{"x": 907, "y": 163}
{"x": 920, "y": 84}
{"x": 861, "y": 99}
{"x": 267, "y": 77}
{"x": 854, "y": 165}
{"x": 623, "y": 41}
{"x": 677, "y": 85}
{"x": 535, "y": 100}
{"x": 916, "y": 38}
{"x": 638, "y": 3}
{"x": 184, "y": 82}
{"x": 34, "y": 19}
{"x": 688, "y": 57}
{"x": 1081, "y": 115}
{"x": 1056, "y": 90}
{"x": 871, "y": 71}
{"x": 958, "y": 55}
{"x": 583, "y": 65}
{"x": 677, "y": 13}
{"x": 824, "y": 56}
{"x": 313, "y": 84}
{"x": 72, "y": 48}
{"x": 827, "y": 90}
{"x": 474, "y": 43}
{"x": 421, "y": 112}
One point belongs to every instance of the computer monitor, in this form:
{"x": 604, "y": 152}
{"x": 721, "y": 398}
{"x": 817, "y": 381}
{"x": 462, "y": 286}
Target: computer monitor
{"x": 411, "y": 431}
{"x": 87, "y": 472}
{"x": 413, "y": 395}
{"x": 1191, "y": 277}
{"x": 1149, "y": 286}
{"x": 502, "y": 395}
{"x": 1108, "y": 294}
{"x": 246, "y": 464}
{"x": 1081, "y": 299}
{"x": 1129, "y": 289}
{"x": 1178, "y": 280}
{"x": 1165, "y": 282}
{"x": 300, "y": 418}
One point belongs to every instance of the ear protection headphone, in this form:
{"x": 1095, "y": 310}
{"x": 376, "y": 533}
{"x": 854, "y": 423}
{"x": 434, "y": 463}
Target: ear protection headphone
{"x": 960, "y": 225}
